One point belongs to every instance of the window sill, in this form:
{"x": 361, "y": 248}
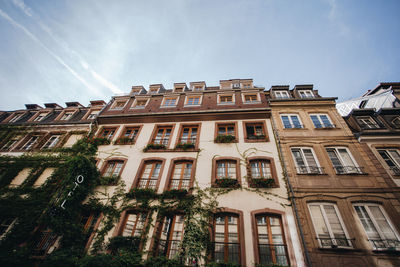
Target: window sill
{"x": 189, "y": 106}
{"x": 256, "y": 140}
{"x": 141, "y": 107}
{"x": 174, "y": 106}
{"x": 312, "y": 173}
{"x": 326, "y": 128}
{"x": 302, "y": 128}
{"x": 386, "y": 251}
{"x": 340, "y": 249}
{"x": 226, "y": 104}
{"x": 254, "y": 102}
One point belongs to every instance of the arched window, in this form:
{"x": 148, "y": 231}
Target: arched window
{"x": 181, "y": 175}
{"x": 150, "y": 175}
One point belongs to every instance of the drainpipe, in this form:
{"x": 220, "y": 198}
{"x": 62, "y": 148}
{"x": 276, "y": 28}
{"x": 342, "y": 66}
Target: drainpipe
{"x": 291, "y": 193}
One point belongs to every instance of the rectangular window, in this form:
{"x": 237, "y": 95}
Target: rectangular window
{"x": 107, "y": 133}
{"x": 328, "y": 225}
{"x": 141, "y": 103}
{"x": 119, "y": 104}
{"x": 170, "y": 102}
{"x": 305, "y": 161}
{"x": 113, "y": 169}
{"x": 170, "y": 236}
{"x": 255, "y": 131}
{"x": 189, "y": 135}
{"x": 342, "y": 161}
{"x": 181, "y": 176}
{"x": 16, "y": 117}
{"x": 89, "y": 221}
{"x": 193, "y": 100}
{"x": 260, "y": 169}
{"x": 5, "y": 225}
{"x": 31, "y": 142}
{"x": 163, "y": 134}
{"x": 131, "y": 133}
{"x": 250, "y": 98}
{"x": 367, "y": 122}
{"x": 43, "y": 242}
{"x": 291, "y": 121}
{"x": 396, "y": 122}
{"x": 321, "y": 121}
{"x": 378, "y": 228}
{"x": 67, "y": 116}
{"x": 197, "y": 88}
{"x": 93, "y": 114}
{"x": 52, "y": 142}
{"x": 272, "y": 249}
{"x": 226, "y": 239}
{"x": 225, "y": 99}
{"x": 150, "y": 175}
{"x": 282, "y": 94}
{"x": 134, "y": 224}
{"x": 392, "y": 159}
{"x": 40, "y": 117}
{"x": 11, "y": 143}
{"x": 306, "y": 94}
{"x": 226, "y": 169}
{"x": 226, "y": 129}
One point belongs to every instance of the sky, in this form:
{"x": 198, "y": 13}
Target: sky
{"x": 81, "y": 50}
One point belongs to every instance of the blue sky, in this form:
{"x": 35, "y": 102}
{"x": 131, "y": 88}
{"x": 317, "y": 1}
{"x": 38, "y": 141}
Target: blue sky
{"x": 60, "y": 51}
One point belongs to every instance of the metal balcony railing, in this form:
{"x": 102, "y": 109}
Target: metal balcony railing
{"x": 389, "y": 244}
{"x": 348, "y": 169}
{"x": 186, "y": 140}
{"x": 168, "y": 248}
{"x": 161, "y": 141}
{"x": 294, "y": 126}
{"x": 395, "y": 170}
{"x": 151, "y": 184}
{"x": 310, "y": 170}
{"x": 226, "y": 252}
{"x": 184, "y": 183}
{"x": 327, "y": 242}
{"x": 273, "y": 254}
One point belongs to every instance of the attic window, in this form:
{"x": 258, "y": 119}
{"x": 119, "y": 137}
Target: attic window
{"x": 119, "y": 104}
{"x": 179, "y": 89}
{"x": 363, "y": 103}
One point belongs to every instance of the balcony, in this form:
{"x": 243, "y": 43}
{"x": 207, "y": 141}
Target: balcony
{"x": 144, "y": 183}
{"x": 385, "y": 244}
{"x": 348, "y": 170}
{"x": 180, "y": 184}
{"x": 226, "y": 252}
{"x": 310, "y": 170}
{"x": 268, "y": 251}
{"x": 327, "y": 242}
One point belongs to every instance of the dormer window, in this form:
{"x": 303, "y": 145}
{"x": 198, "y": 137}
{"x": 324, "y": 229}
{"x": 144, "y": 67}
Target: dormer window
{"x": 67, "y": 115}
{"x": 154, "y": 91}
{"x": 250, "y": 98}
{"x": 135, "y": 92}
{"x": 236, "y": 85}
{"x": 197, "y": 88}
{"x": 170, "y": 102}
{"x": 396, "y": 122}
{"x": 16, "y": 117}
{"x": 282, "y": 94}
{"x": 119, "y": 104}
{"x": 367, "y": 122}
{"x": 306, "y": 94}
{"x": 246, "y": 85}
{"x": 226, "y": 99}
{"x": 93, "y": 114}
{"x": 40, "y": 117}
{"x": 179, "y": 89}
{"x": 140, "y": 103}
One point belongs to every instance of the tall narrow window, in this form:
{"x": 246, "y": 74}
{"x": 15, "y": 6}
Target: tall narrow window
{"x": 189, "y": 135}
{"x": 377, "y": 226}
{"x": 321, "y": 121}
{"x": 291, "y": 121}
{"x": 226, "y": 169}
{"x": 43, "y": 242}
{"x": 226, "y": 238}
{"x": 89, "y": 221}
{"x": 181, "y": 176}
{"x": 392, "y": 158}
{"x": 150, "y": 175}
{"x": 271, "y": 241}
{"x": 134, "y": 224}
{"x": 328, "y": 225}
{"x": 170, "y": 236}
{"x": 305, "y": 161}
{"x": 31, "y": 142}
{"x": 162, "y": 135}
{"x": 113, "y": 169}
{"x": 342, "y": 161}
{"x": 52, "y": 141}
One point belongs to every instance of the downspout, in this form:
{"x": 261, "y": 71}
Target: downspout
{"x": 291, "y": 193}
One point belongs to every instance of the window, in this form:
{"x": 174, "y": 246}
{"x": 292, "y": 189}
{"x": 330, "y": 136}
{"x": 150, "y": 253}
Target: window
{"x": 131, "y": 133}
{"x": 342, "y": 161}
{"x": 321, "y": 121}
{"x": 305, "y": 161}
{"x": 226, "y": 169}
{"x": 181, "y": 176}
{"x": 40, "y": 117}
{"x": 170, "y": 102}
{"x": 189, "y": 135}
{"x": 236, "y": 85}
{"x": 396, "y": 122}
{"x": 107, "y": 133}
{"x": 43, "y": 242}
{"x": 178, "y": 89}
{"x": 260, "y": 169}
{"x": 367, "y": 122}
{"x": 291, "y": 121}
{"x": 67, "y": 115}
{"x": 93, "y": 114}
{"x": 162, "y": 136}
{"x": 52, "y": 141}
{"x": 226, "y": 239}
{"x": 225, "y": 132}
{"x": 271, "y": 240}
{"x": 197, "y": 88}
{"x": 392, "y": 158}
{"x": 255, "y": 131}
{"x": 89, "y": 221}
{"x": 328, "y": 225}
{"x": 378, "y": 228}
{"x": 119, "y": 104}
{"x": 193, "y": 100}
{"x": 154, "y": 91}
{"x": 306, "y": 94}
{"x": 150, "y": 175}
{"x": 251, "y": 98}
{"x": 170, "y": 236}
{"x": 16, "y": 117}
{"x": 11, "y": 143}
{"x": 134, "y": 224}
{"x": 5, "y": 225}
{"x": 246, "y": 85}
{"x": 140, "y": 103}
{"x": 282, "y": 94}
{"x": 226, "y": 99}
{"x": 31, "y": 142}
{"x": 113, "y": 169}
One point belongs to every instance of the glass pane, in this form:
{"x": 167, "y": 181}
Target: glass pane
{"x": 382, "y": 223}
{"x": 366, "y": 222}
{"x": 286, "y": 122}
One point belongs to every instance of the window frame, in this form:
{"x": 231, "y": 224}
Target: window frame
{"x": 232, "y": 95}
{"x": 200, "y": 97}
{"x": 123, "y": 221}
{"x": 155, "y": 131}
{"x": 171, "y": 170}
{"x": 190, "y": 125}
{"x": 292, "y": 125}
{"x": 278, "y": 94}
{"x": 91, "y": 112}
{"x": 214, "y": 175}
{"x": 327, "y": 224}
{"x": 52, "y": 145}
{"x": 33, "y": 145}
{"x": 166, "y": 98}
{"x": 365, "y": 123}
{"x": 227, "y": 123}
{"x": 135, "y": 106}
{"x": 127, "y": 127}
{"x": 109, "y": 128}
{"x": 141, "y": 169}
{"x": 395, "y": 170}
{"x": 64, "y": 112}
{"x": 273, "y": 171}
{"x": 264, "y": 129}
{"x": 38, "y": 118}
{"x": 114, "y": 104}
{"x": 396, "y": 122}
{"x": 116, "y": 161}
{"x": 16, "y": 117}
{"x": 305, "y": 92}
{"x": 308, "y": 169}
{"x": 256, "y": 101}
{"x": 321, "y": 123}
{"x": 7, "y": 227}
{"x": 91, "y": 217}
{"x": 15, "y": 139}
{"x": 356, "y": 168}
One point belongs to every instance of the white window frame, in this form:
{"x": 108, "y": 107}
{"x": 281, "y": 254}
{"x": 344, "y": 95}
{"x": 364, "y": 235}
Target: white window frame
{"x": 226, "y": 103}
{"x": 350, "y": 169}
{"x": 114, "y": 105}
{"x": 323, "y": 125}
{"x": 257, "y": 101}
{"x": 39, "y": 117}
{"x": 306, "y": 94}
{"x": 367, "y": 122}
{"x": 53, "y": 142}
{"x": 193, "y": 105}
{"x": 306, "y": 169}
{"x": 16, "y": 117}
{"x": 396, "y": 168}
{"x": 281, "y": 94}
{"x": 71, "y": 114}
{"x": 376, "y": 225}
{"x": 134, "y": 104}
{"x": 292, "y": 125}
{"x": 328, "y": 225}
{"x": 169, "y": 106}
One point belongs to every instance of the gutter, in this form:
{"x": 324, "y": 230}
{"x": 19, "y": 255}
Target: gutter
{"x": 291, "y": 193}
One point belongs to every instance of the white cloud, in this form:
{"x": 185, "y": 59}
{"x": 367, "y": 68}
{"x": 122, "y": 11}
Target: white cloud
{"x": 23, "y": 7}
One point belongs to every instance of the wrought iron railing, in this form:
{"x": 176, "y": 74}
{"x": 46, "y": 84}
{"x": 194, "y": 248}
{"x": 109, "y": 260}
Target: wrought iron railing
{"x": 168, "y": 248}
{"x": 228, "y": 252}
{"x": 389, "y": 244}
{"x": 273, "y": 254}
{"x": 186, "y": 140}
{"x": 395, "y": 170}
{"x": 148, "y": 183}
{"x": 327, "y": 242}
{"x": 180, "y": 183}
{"x": 161, "y": 141}
{"x": 348, "y": 169}
{"x": 310, "y": 170}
